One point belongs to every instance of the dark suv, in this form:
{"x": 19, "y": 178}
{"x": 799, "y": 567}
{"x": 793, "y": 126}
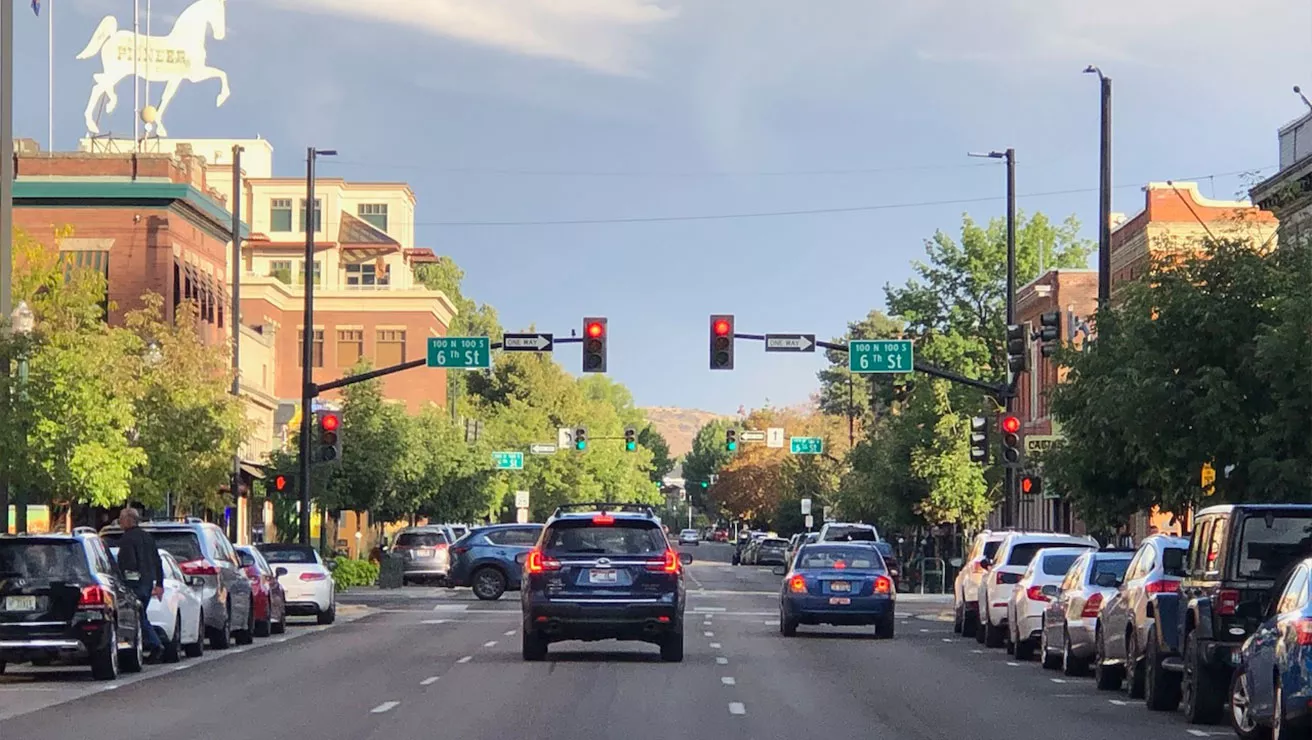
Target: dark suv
{"x": 603, "y": 572}
{"x": 63, "y": 596}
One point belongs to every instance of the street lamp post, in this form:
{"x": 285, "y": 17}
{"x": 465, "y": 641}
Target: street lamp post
{"x": 21, "y": 322}
{"x": 307, "y": 339}
{"x": 1104, "y": 188}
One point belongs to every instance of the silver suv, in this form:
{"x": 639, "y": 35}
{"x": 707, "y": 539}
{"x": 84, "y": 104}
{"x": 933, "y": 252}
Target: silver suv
{"x": 203, "y": 550}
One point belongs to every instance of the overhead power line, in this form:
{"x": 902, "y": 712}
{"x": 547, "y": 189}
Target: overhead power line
{"x": 652, "y": 173}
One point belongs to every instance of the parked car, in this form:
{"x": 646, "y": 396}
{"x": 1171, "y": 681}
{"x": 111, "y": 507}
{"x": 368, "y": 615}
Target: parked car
{"x": 1039, "y": 585}
{"x": 63, "y": 596}
{"x": 424, "y": 552}
{"x": 202, "y": 549}
{"x": 837, "y": 583}
{"x": 848, "y": 532}
{"x": 307, "y": 581}
{"x": 1271, "y": 691}
{"x": 270, "y": 597}
{"x": 1013, "y": 557}
{"x": 490, "y": 559}
{"x": 771, "y": 551}
{"x": 177, "y": 616}
{"x": 1070, "y": 621}
{"x": 689, "y": 537}
{"x": 965, "y": 590}
{"x": 891, "y": 561}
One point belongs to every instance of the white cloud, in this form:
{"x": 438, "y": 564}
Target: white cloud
{"x": 600, "y": 35}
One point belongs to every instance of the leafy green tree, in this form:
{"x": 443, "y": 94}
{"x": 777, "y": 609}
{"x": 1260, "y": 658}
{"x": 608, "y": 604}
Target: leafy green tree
{"x": 661, "y": 462}
{"x": 374, "y": 445}
{"x": 835, "y": 395}
{"x": 705, "y": 459}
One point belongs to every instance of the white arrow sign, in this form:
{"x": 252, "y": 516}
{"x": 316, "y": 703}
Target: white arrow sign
{"x": 789, "y": 342}
{"x": 527, "y": 342}
{"x": 752, "y": 436}
{"x": 542, "y": 449}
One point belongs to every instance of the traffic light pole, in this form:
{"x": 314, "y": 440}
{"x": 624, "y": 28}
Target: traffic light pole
{"x": 234, "y": 321}
{"x": 307, "y": 351}
{"x": 1009, "y": 473}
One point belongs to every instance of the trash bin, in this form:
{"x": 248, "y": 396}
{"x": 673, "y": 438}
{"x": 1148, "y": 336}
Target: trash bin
{"x": 391, "y": 572}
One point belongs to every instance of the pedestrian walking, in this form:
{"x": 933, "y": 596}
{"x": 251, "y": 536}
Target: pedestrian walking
{"x": 138, "y": 557}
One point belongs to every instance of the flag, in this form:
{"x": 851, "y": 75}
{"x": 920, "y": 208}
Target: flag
{"x": 36, "y": 7}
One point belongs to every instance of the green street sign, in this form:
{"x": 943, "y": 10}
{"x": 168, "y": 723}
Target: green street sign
{"x": 460, "y": 353}
{"x": 880, "y": 356}
{"x": 508, "y": 460}
{"x": 806, "y": 445}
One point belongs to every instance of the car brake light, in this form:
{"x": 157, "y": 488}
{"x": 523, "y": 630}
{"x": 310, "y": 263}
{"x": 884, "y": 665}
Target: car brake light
{"x": 1303, "y": 628}
{"x": 839, "y": 565}
{"x": 198, "y": 568}
{"x": 603, "y": 519}
{"x": 797, "y": 584}
{"x": 667, "y": 564}
{"x": 95, "y": 597}
{"x": 459, "y": 550}
{"x": 883, "y": 585}
{"x": 1164, "y": 586}
{"x": 537, "y": 562}
{"x": 313, "y": 576}
{"x": 1035, "y": 593}
{"x": 1227, "y": 601}
{"x": 1092, "y": 606}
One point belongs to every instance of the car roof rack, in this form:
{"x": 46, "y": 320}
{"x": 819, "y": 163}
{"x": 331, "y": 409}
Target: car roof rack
{"x": 605, "y": 506}
{"x": 84, "y": 530}
{"x": 173, "y": 520}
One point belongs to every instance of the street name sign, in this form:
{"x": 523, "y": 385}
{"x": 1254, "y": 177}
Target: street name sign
{"x": 790, "y": 343}
{"x": 1036, "y": 444}
{"x": 542, "y": 449}
{"x": 528, "y": 342}
{"x": 508, "y": 460}
{"x": 806, "y": 445}
{"x": 752, "y": 436}
{"x": 880, "y": 356}
{"x": 774, "y": 437}
{"x": 460, "y": 353}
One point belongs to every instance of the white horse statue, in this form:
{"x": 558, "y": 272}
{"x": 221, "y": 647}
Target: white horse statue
{"x": 170, "y": 59}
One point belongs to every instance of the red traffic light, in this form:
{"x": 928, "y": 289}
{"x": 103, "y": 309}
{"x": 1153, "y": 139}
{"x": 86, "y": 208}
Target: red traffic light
{"x": 330, "y": 422}
{"x": 595, "y": 329}
{"x": 280, "y": 483}
{"x": 722, "y": 328}
{"x": 1010, "y": 424}
{"x": 1027, "y": 485}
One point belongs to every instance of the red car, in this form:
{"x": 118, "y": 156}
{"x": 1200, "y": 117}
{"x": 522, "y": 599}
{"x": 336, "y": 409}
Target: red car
{"x": 270, "y": 599}
{"x": 721, "y": 535}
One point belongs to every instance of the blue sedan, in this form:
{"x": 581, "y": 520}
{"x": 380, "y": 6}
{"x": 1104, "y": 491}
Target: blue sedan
{"x": 1271, "y": 691}
{"x": 840, "y": 583}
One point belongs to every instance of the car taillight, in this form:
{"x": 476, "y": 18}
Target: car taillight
{"x": 1035, "y": 593}
{"x": 797, "y": 584}
{"x": 1092, "y": 606}
{"x": 883, "y": 585}
{"x": 603, "y": 519}
{"x": 313, "y": 576}
{"x": 538, "y": 563}
{"x": 1227, "y": 601}
{"x": 1303, "y": 628}
{"x": 667, "y": 564}
{"x": 1005, "y": 578}
{"x": 199, "y": 568}
{"x": 459, "y": 550}
{"x": 95, "y": 597}
{"x": 1164, "y": 586}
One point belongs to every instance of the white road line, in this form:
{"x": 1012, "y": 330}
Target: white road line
{"x": 1119, "y": 702}
{"x": 490, "y": 643}
{"x": 429, "y": 681}
{"x": 183, "y": 666}
{"x": 722, "y": 661}
{"x": 736, "y": 707}
{"x": 386, "y": 706}
{"x": 710, "y": 609}
{"x": 1057, "y": 680}
{"x": 727, "y": 680}
{"x": 709, "y": 634}
{"x": 1013, "y": 665}
{"x": 715, "y": 646}
{"x": 436, "y": 621}
{"x": 111, "y": 687}
{"x": 767, "y": 622}
{"x": 465, "y": 659}
{"x": 510, "y": 633}
{"x": 977, "y": 652}
{"x": 947, "y": 639}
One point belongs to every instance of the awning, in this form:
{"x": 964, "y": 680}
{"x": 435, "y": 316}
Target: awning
{"x": 254, "y": 470}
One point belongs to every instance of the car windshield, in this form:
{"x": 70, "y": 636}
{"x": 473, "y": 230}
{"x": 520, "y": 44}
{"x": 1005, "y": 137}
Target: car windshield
{"x": 303, "y": 555}
{"x": 420, "y": 539}
{"x": 632, "y": 537}
{"x": 1057, "y": 565}
{"x": 1265, "y": 551}
{"x": 55, "y": 560}
{"x": 1114, "y": 566}
{"x": 819, "y": 557}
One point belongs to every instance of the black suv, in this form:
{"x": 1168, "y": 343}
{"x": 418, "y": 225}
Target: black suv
{"x": 1236, "y": 556}
{"x": 603, "y": 572}
{"x": 63, "y": 596}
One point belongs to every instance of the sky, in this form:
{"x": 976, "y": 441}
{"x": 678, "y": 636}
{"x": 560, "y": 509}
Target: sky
{"x": 678, "y": 140}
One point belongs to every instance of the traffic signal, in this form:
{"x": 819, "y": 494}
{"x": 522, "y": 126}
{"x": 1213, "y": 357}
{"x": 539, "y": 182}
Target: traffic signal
{"x": 1049, "y": 332}
{"x": 979, "y": 440}
{"x": 581, "y": 439}
{"x": 281, "y": 483}
{"x": 630, "y": 439}
{"x": 1018, "y": 344}
{"x": 330, "y": 440}
{"x": 731, "y": 440}
{"x": 594, "y": 345}
{"x": 1031, "y": 485}
{"x": 1010, "y": 440}
{"x": 722, "y": 342}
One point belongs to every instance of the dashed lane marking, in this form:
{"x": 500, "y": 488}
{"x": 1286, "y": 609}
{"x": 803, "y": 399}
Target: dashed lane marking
{"x": 715, "y": 646}
{"x": 727, "y": 680}
{"x": 709, "y": 634}
{"x": 436, "y": 621}
{"x": 1012, "y": 664}
{"x": 722, "y": 661}
{"x": 386, "y": 706}
{"x": 429, "y": 681}
{"x": 1057, "y": 680}
{"x": 736, "y": 707}
{"x": 509, "y": 633}
{"x": 490, "y": 643}
{"x": 465, "y": 659}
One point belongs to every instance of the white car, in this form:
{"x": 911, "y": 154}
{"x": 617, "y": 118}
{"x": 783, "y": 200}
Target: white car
{"x": 177, "y": 616}
{"x": 689, "y": 537}
{"x": 306, "y": 580}
{"x": 1003, "y": 572}
{"x": 1040, "y": 585}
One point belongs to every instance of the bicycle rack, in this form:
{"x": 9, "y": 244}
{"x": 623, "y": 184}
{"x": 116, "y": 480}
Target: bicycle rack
{"x": 927, "y": 568}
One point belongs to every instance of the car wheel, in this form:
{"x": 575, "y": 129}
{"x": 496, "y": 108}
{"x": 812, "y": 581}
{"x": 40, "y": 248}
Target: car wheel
{"x": 104, "y": 662}
{"x": 1242, "y": 718}
{"x": 1025, "y": 649}
{"x": 197, "y": 648}
{"x": 1198, "y": 692}
{"x": 1070, "y": 665}
{"x": 265, "y": 628}
{"x": 247, "y": 635}
{"x": 173, "y": 648}
{"x": 221, "y": 638}
{"x": 958, "y": 619}
{"x": 134, "y": 660}
{"x": 969, "y": 622}
{"x": 534, "y": 645}
{"x": 1134, "y": 678}
{"x": 885, "y": 628}
{"x": 1046, "y": 657}
{"x": 1106, "y": 677}
{"x": 1161, "y": 690}
{"x": 672, "y": 647}
{"x": 329, "y": 616}
{"x": 280, "y": 626}
{"x": 488, "y": 583}
{"x": 993, "y": 636}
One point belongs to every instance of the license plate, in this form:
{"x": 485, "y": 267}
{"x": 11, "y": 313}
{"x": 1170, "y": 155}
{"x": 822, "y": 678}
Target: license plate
{"x": 603, "y": 576}
{"x": 840, "y": 586}
{"x": 20, "y": 603}
{"x": 839, "y": 600}
{"x": 423, "y": 553}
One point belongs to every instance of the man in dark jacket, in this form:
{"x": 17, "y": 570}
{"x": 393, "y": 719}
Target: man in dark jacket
{"x": 138, "y": 558}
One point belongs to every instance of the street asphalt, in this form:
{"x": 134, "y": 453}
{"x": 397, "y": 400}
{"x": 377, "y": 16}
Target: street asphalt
{"x": 423, "y": 662}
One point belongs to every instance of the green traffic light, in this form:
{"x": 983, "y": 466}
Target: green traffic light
{"x": 705, "y": 484}
{"x": 630, "y": 446}
{"x": 731, "y": 446}
{"x": 580, "y": 445}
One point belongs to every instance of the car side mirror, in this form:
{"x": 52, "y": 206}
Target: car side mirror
{"x": 985, "y": 563}
{"x": 332, "y": 565}
{"x": 195, "y": 581}
{"x": 779, "y": 570}
{"x": 685, "y": 558}
{"x": 279, "y": 572}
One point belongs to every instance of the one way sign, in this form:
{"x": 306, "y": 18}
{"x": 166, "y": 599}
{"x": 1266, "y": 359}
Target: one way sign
{"x": 528, "y": 342}
{"x": 790, "y": 343}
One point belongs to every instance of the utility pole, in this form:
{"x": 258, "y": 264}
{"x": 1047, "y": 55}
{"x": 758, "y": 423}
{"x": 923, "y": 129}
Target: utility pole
{"x": 308, "y": 390}
{"x": 1104, "y": 188}
{"x": 1009, "y": 516}
{"x": 234, "y": 321}
{"x": 6, "y": 208}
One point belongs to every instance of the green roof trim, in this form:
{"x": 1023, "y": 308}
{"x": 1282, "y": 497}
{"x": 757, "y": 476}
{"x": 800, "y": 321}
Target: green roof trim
{"x": 127, "y": 192}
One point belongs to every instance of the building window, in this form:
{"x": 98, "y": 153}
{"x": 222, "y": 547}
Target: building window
{"x": 318, "y": 215}
{"x": 280, "y": 214}
{"x": 365, "y": 275}
{"x": 391, "y": 347}
{"x": 96, "y": 261}
{"x": 350, "y": 347}
{"x": 316, "y": 349}
{"x": 375, "y": 214}
{"x": 318, "y": 273}
{"x": 282, "y": 270}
